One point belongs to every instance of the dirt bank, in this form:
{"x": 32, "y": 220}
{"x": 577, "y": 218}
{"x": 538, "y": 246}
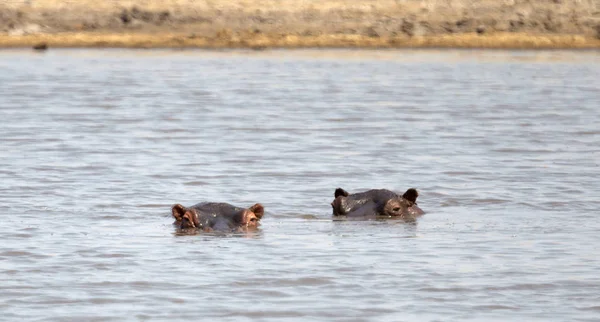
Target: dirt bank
{"x": 306, "y": 23}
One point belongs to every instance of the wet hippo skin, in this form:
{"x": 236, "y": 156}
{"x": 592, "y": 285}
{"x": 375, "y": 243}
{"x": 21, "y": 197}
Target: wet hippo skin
{"x": 212, "y": 216}
{"x": 376, "y": 202}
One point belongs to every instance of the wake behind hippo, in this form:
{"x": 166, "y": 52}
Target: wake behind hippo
{"x": 376, "y": 202}
{"x": 212, "y": 216}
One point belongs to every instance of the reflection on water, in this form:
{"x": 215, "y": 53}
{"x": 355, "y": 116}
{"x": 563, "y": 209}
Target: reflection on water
{"x": 98, "y": 144}
{"x": 198, "y": 232}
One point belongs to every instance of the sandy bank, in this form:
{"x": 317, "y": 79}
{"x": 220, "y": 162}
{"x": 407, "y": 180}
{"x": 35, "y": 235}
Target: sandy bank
{"x": 301, "y": 24}
{"x": 172, "y": 40}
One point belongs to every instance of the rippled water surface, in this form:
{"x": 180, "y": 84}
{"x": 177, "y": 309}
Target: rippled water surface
{"x": 96, "y": 145}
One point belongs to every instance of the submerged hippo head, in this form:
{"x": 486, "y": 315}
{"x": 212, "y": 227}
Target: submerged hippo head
{"x": 217, "y": 216}
{"x": 375, "y": 202}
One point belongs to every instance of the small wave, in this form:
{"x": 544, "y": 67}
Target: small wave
{"x": 16, "y": 253}
{"x": 105, "y": 301}
{"x": 450, "y": 203}
{"x": 489, "y": 201}
{"x": 458, "y": 173}
{"x": 591, "y": 132}
{"x": 195, "y": 183}
{"x": 445, "y": 289}
{"x": 521, "y": 287}
{"x": 494, "y": 307}
{"x": 56, "y": 301}
{"x": 111, "y": 217}
{"x": 114, "y": 255}
{"x": 109, "y": 205}
{"x": 515, "y": 150}
{"x": 20, "y": 235}
{"x": 264, "y": 314}
{"x": 152, "y": 205}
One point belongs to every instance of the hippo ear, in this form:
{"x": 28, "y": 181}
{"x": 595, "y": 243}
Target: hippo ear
{"x": 411, "y": 195}
{"x": 191, "y": 218}
{"x": 258, "y": 210}
{"x": 340, "y": 192}
{"x": 178, "y": 211}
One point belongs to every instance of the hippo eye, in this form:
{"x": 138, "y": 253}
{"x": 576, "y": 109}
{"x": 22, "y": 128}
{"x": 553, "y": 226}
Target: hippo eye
{"x": 396, "y": 209}
{"x": 253, "y": 219}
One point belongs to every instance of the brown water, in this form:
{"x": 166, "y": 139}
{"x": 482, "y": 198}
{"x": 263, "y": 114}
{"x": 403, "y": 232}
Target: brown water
{"x": 96, "y": 145}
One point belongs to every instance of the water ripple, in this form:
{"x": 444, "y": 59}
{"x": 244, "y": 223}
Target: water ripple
{"x": 501, "y": 146}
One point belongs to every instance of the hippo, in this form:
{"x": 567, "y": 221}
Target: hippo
{"x": 376, "y": 202}
{"x": 212, "y": 216}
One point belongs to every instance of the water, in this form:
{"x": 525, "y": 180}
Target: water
{"x": 96, "y": 145}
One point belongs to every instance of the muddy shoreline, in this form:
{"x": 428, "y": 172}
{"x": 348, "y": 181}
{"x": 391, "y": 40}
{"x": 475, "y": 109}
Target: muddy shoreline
{"x": 171, "y": 40}
{"x": 518, "y": 24}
